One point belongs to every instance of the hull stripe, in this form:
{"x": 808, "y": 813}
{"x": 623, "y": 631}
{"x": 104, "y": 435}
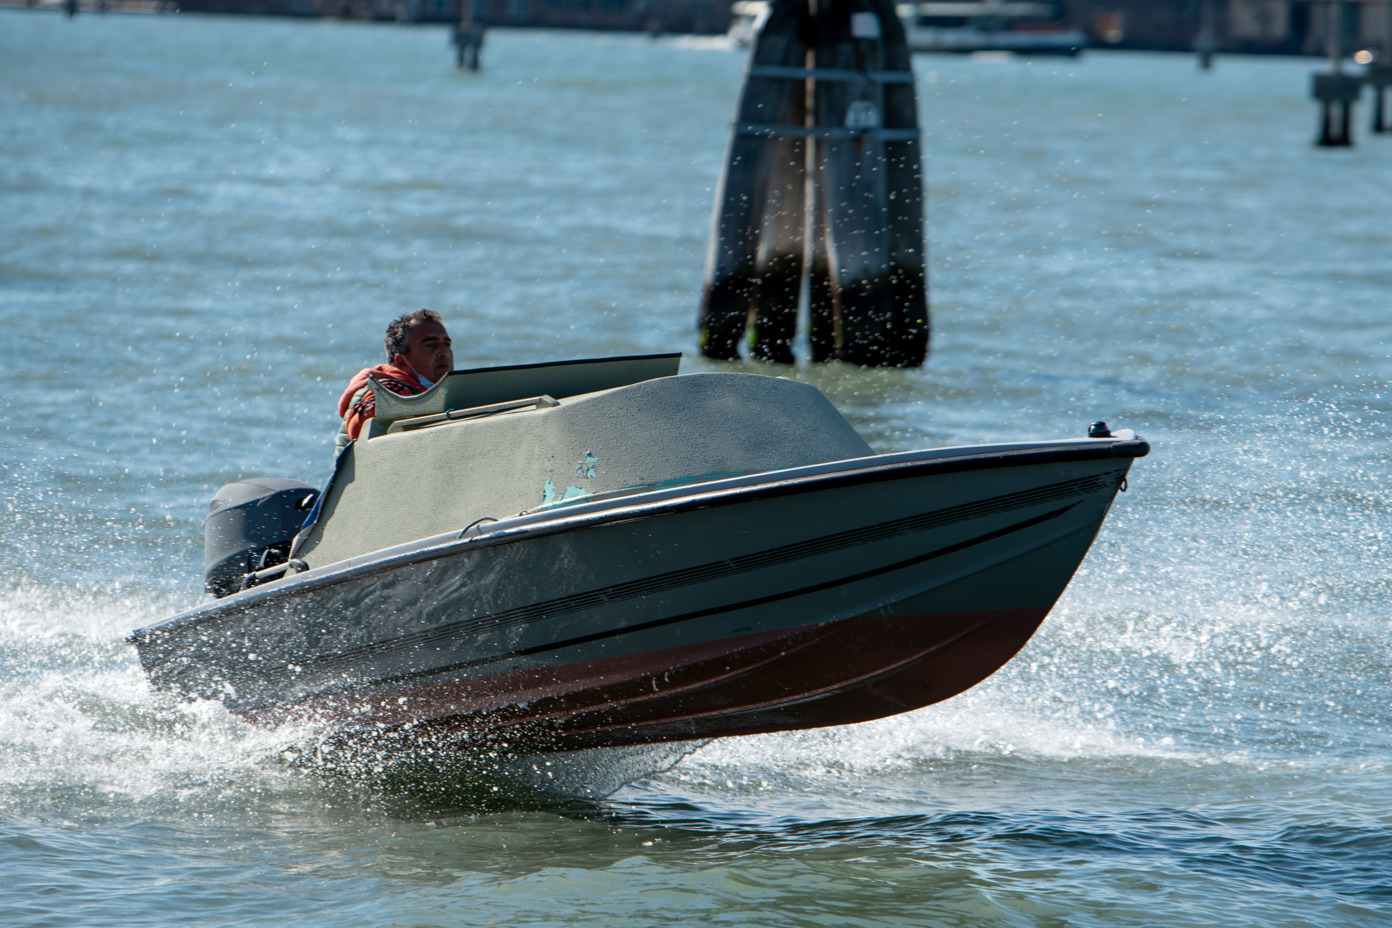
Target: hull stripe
{"x": 734, "y": 607}
{"x": 716, "y": 570}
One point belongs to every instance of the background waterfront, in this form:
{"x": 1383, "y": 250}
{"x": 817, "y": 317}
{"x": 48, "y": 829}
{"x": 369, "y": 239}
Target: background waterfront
{"x": 205, "y": 225}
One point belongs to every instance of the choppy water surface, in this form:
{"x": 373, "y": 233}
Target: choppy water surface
{"x": 205, "y": 225}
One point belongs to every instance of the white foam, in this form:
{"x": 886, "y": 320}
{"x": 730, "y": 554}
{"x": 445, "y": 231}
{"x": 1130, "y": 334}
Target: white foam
{"x": 77, "y": 713}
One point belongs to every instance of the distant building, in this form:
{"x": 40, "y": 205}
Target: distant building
{"x": 1292, "y": 27}
{"x": 687, "y": 16}
{"x": 692, "y": 16}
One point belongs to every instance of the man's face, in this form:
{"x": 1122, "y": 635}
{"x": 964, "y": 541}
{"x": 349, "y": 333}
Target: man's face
{"x": 428, "y": 350}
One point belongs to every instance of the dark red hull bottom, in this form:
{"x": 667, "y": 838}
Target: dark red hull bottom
{"x": 868, "y": 667}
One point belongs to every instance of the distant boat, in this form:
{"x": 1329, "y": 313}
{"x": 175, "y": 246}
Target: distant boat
{"x": 746, "y": 19}
{"x": 963, "y": 27}
{"x": 990, "y": 26}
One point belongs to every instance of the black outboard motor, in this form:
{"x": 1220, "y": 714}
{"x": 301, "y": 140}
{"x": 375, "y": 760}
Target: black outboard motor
{"x": 249, "y": 527}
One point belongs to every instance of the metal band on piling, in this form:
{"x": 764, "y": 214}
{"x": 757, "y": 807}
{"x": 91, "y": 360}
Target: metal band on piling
{"x": 782, "y": 72}
{"x": 879, "y": 134}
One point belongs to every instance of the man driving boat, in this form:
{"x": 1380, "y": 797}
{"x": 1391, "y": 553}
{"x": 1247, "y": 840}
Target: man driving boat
{"x": 419, "y": 355}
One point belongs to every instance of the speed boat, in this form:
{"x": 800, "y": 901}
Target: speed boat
{"x": 604, "y": 553}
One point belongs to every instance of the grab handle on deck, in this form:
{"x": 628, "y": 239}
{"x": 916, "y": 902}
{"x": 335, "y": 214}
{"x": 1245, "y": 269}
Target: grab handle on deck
{"x": 473, "y": 412}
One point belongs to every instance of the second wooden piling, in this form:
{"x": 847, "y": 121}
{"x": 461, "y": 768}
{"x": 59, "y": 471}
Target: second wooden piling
{"x": 822, "y": 188}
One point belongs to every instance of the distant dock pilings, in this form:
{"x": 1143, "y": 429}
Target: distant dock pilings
{"x": 93, "y": 6}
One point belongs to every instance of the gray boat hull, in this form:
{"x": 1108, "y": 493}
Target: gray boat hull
{"x": 818, "y": 595}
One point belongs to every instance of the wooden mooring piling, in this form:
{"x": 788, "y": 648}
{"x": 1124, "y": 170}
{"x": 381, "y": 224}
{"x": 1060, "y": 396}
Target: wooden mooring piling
{"x": 1379, "y": 74}
{"x": 822, "y": 194}
{"x": 1336, "y": 93}
{"x": 468, "y": 38}
{"x": 468, "y": 46}
{"x": 1379, "y": 77}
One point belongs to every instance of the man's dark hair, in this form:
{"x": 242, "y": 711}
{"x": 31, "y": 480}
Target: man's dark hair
{"x": 399, "y": 332}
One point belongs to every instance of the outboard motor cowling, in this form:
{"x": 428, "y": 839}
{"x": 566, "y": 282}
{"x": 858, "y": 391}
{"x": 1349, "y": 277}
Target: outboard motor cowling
{"x": 250, "y": 526}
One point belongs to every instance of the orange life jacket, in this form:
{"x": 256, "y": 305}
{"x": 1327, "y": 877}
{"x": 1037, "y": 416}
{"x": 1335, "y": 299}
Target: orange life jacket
{"x": 358, "y": 404}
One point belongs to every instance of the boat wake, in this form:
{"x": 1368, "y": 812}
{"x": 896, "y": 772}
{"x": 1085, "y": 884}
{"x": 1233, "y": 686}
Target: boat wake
{"x": 77, "y": 717}
{"x": 400, "y": 765}
{"x": 1095, "y": 691}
